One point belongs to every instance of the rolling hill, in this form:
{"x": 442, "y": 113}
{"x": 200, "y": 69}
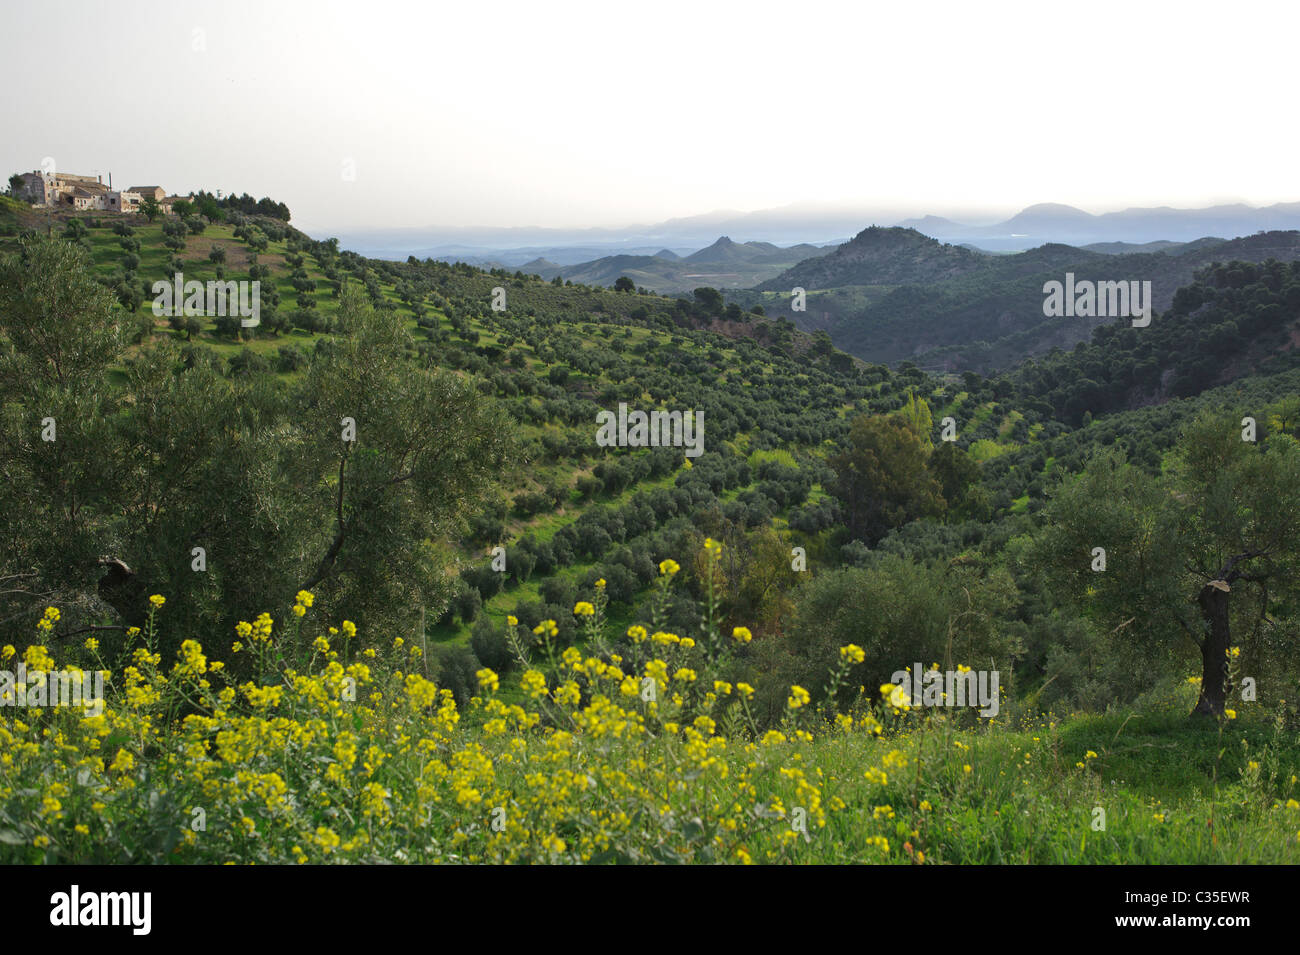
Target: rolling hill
{"x": 581, "y": 523}
{"x": 881, "y": 256}
{"x": 893, "y": 294}
{"x": 725, "y": 264}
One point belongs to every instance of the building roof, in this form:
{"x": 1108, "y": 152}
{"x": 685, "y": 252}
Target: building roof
{"x": 144, "y": 189}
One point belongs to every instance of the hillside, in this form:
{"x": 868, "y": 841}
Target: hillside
{"x": 878, "y": 256}
{"x": 705, "y": 553}
{"x": 723, "y": 264}
{"x": 1119, "y": 248}
{"x": 1234, "y": 320}
{"x": 989, "y": 315}
{"x": 560, "y": 352}
{"x": 553, "y": 358}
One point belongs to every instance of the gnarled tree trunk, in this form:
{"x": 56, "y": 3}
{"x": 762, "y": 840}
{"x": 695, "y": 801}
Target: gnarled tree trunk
{"x": 1213, "y": 600}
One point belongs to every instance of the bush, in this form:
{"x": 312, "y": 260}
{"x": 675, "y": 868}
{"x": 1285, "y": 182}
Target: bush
{"x": 490, "y": 646}
{"x": 290, "y": 358}
{"x": 920, "y": 613}
{"x": 558, "y": 590}
{"x": 228, "y": 326}
{"x": 310, "y": 320}
{"x": 454, "y": 669}
{"x": 468, "y": 603}
{"x": 248, "y": 362}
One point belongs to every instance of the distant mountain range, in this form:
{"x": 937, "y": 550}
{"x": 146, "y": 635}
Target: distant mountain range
{"x": 559, "y": 256}
{"x": 1052, "y": 222}
{"x": 946, "y": 294}
{"x": 821, "y": 225}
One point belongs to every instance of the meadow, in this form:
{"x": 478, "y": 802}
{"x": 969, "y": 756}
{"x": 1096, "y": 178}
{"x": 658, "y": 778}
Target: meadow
{"x": 632, "y": 750}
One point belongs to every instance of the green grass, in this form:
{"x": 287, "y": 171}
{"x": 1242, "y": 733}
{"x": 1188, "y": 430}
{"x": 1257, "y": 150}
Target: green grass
{"x": 779, "y": 455}
{"x": 985, "y": 450}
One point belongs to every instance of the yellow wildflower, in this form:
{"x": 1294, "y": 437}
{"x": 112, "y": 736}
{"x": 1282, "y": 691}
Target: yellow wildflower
{"x": 853, "y": 653}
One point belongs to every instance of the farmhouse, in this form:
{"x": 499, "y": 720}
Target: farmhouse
{"x": 88, "y": 193}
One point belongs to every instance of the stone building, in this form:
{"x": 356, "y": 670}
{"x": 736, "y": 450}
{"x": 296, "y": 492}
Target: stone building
{"x": 53, "y": 189}
{"x": 88, "y": 193}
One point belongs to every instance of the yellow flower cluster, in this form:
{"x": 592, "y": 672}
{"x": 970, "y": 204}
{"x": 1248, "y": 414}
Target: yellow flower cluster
{"x": 656, "y": 755}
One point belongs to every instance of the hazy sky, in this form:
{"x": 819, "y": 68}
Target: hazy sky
{"x": 569, "y": 113}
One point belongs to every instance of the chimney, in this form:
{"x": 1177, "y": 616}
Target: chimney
{"x": 99, "y": 178}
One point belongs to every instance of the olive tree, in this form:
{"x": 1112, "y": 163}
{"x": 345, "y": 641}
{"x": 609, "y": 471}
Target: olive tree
{"x": 1193, "y": 554}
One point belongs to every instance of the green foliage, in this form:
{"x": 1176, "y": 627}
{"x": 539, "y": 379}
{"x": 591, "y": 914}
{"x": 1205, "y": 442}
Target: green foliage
{"x": 900, "y": 612}
{"x": 1195, "y": 553}
{"x": 916, "y": 412}
{"x": 253, "y": 472}
{"x": 958, "y": 474}
{"x": 1235, "y": 318}
{"x": 561, "y": 352}
{"x": 882, "y": 479}
{"x": 894, "y": 294}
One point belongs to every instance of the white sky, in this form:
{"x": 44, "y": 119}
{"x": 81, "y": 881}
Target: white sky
{"x": 567, "y": 113}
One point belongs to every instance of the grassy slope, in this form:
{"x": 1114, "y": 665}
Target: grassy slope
{"x": 154, "y": 258}
{"x": 1025, "y": 798}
